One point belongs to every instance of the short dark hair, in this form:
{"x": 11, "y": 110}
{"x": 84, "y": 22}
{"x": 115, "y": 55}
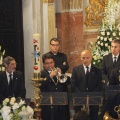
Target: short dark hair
{"x": 55, "y": 39}
{"x": 47, "y": 56}
{"x": 116, "y": 41}
{"x": 7, "y": 60}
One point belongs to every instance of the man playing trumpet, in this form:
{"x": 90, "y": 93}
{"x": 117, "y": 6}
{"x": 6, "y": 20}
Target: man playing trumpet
{"x": 52, "y": 84}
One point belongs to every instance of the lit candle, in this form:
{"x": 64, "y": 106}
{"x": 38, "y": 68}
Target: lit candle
{"x": 36, "y": 45}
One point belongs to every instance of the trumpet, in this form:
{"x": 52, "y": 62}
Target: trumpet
{"x": 62, "y": 78}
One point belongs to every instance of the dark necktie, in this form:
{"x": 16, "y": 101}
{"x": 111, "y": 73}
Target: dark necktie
{"x": 10, "y": 85}
{"x": 87, "y": 72}
{"x": 87, "y": 77}
{"x": 115, "y": 61}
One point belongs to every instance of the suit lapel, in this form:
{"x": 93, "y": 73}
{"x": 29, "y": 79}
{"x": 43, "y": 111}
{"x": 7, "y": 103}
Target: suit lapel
{"x": 14, "y": 82}
{"x": 5, "y": 81}
{"x": 83, "y": 77}
{"x": 91, "y": 75}
{"x": 110, "y": 61}
{"x": 118, "y": 61}
{"x": 82, "y": 71}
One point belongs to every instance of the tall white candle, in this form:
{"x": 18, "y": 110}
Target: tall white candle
{"x": 36, "y": 45}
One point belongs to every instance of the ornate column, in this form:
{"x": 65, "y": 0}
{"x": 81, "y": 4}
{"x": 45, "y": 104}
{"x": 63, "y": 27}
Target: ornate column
{"x": 48, "y": 23}
{"x": 69, "y": 22}
{"x": 36, "y": 16}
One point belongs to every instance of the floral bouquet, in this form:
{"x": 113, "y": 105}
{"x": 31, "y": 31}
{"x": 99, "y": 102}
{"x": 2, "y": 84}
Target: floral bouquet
{"x": 109, "y": 30}
{"x": 11, "y": 107}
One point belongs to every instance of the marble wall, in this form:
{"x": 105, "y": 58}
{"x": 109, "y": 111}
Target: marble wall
{"x": 70, "y": 32}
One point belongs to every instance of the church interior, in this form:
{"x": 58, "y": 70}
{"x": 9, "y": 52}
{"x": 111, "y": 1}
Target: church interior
{"x": 76, "y": 23}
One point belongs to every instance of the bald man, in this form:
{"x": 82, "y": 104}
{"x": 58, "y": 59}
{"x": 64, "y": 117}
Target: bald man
{"x": 87, "y": 78}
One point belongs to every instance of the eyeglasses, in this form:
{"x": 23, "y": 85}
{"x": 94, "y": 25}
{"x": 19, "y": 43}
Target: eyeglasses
{"x": 55, "y": 45}
{"x": 47, "y": 63}
{"x": 13, "y": 64}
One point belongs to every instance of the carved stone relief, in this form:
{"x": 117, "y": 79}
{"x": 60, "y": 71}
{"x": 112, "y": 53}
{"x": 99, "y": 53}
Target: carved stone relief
{"x": 94, "y": 13}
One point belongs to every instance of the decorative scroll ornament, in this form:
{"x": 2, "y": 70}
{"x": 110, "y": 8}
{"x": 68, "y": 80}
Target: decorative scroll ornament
{"x": 94, "y": 12}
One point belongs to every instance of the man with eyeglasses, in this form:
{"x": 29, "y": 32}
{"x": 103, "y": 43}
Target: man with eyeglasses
{"x": 12, "y": 83}
{"x": 60, "y": 58}
{"x": 52, "y": 84}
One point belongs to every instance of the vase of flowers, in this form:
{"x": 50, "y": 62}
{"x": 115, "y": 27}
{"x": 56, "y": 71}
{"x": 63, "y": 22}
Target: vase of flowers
{"x": 11, "y": 109}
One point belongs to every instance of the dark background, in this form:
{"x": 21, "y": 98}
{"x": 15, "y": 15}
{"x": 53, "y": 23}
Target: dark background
{"x": 11, "y": 30}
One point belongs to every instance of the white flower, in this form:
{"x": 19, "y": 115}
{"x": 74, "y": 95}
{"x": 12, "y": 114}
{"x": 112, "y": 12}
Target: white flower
{"x": 110, "y": 39}
{"x": 108, "y": 33}
{"x": 114, "y": 34}
{"x": 98, "y": 42}
{"x": 5, "y": 101}
{"x": 101, "y": 44}
{"x": 94, "y": 57}
{"x": 12, "y": 108}
{"x": 94, "y": 63}
{"x": 5, "y": 111}
{"x": 21, "y": 103}
{"x": 98, "y": 60}
{"x": 103, "y": 33}
{"x": 105, "y": 39}
{"x": 12, "y": 100}
{"x": 15, "y": 106}
{"x": 101, "y": 38}
{"x": 106, "y": 44}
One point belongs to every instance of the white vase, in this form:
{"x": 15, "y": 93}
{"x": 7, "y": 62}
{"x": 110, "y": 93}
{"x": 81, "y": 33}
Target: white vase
{"x": 24, "y": 114}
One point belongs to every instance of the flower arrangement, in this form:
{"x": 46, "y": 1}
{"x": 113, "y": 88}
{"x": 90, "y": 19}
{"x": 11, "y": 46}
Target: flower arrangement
{"x": 2, "y": 53}
{"x": 109, "y": 31}
{"x": 102, "y": 45}
{"x": 11, "y": 107}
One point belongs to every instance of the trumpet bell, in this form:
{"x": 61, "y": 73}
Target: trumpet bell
{"x": 107, "y": 117}
{"x": 62, "y": 78}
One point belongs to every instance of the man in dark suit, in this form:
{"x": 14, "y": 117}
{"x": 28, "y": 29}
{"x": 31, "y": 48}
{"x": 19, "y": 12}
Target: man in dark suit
{"x": 115, "y": 77}
{"x": 52, "y": 84}
{"x": 60, "y": 58}
{"x": 87, "y": 78}
{"x": 12, "y": 83}
{"x": 111, "y": 61}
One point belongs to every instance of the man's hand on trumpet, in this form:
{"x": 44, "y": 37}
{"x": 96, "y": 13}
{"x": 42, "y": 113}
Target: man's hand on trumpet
{"x": 55, "y": 72}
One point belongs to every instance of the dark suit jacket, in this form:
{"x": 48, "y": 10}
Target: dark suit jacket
{"x": 114, "y": 77}
{"x": 60, "y": 58}
{"x": 107, "y": 66}
{"x": 58, "y": 112}
{"x": 18, "y": 85}
{"x": 78, "y": 79}
{"x": 49, "y": 86}
{"x": 111, "y": 102}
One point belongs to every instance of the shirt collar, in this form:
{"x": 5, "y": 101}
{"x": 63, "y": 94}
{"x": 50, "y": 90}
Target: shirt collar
{"x": 9, "y": 73}
{"x": 115, "y": 56}
{"x": 86, "y": 66}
